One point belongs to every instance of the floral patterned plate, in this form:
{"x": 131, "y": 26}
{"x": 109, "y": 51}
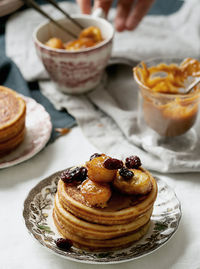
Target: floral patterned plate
{"x": 38, "y": 132}
{"x": 37, "y": 214}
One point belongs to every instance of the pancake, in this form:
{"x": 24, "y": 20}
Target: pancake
{"x": 124, "y": 220}
{"x": 11, "y": 144}
{"x": 102, "y": 245}
{"x": 12, "y": 120}
{"x": 120, "y": 209}
{"x": 82, "y": 228}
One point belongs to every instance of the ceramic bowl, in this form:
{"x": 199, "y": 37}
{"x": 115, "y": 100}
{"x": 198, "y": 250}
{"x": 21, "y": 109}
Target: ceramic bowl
{"x": 74, "y": 72}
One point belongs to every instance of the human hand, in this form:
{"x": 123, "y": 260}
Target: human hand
{"x": 129, "y": 13}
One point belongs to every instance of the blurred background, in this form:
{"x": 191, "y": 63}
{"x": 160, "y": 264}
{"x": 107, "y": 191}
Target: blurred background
{"x": 159, "y": 7}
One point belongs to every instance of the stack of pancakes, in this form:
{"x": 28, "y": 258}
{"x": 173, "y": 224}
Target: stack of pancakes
{"x": 12, "y": 120}
{"x": 125, "y": 219}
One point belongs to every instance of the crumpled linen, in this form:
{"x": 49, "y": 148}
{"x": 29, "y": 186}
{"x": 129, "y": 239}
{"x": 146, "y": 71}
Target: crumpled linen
{"x": 108, "y": 114}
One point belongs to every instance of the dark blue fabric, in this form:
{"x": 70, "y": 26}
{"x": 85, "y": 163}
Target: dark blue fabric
{"x": 165, "y": 7}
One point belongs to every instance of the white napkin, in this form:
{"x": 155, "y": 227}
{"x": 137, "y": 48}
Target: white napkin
{"x": 108, "y": 115}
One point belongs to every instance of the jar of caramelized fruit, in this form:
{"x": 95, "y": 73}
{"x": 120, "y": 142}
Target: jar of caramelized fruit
{"x": 163, "y": 104}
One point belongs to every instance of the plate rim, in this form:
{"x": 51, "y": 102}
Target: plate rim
{"x": 49, "y": 178}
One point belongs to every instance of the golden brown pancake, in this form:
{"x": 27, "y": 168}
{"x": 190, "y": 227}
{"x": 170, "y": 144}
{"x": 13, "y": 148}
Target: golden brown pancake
{"x": 96, "y": 231}
{"x": 12, "y": 143}
{"x": 12, "y": 120}
{"x": 102, "y": 245}
{"x": 125, "y": 219}
{"x": 120, "y": 208}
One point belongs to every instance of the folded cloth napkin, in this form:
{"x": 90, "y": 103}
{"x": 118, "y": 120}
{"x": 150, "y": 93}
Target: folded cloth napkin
{"x": 108, "y": 115}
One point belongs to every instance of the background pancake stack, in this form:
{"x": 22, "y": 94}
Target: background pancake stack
{"x": 12, "y": 120}
{"x": 125, "y": 219}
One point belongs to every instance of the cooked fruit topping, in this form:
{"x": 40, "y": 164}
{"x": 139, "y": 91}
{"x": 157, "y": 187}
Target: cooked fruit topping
{"x": 55, "y": 43}
{"x": 113, "y": 164}
{"x": 140, "y": 183}
{"x": 133, "y": 162}
{"x": 94, "y": 193}
{"x": 125, "y": 173}
{"x": 97, "y": 171}
{"x": 95, "y": 155}
{"x": 63, "y": 243}
{"x": 76, "y": 174}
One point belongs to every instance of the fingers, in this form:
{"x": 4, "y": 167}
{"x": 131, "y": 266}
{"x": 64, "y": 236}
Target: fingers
{"x": 85, "y": 6}
{"x": 104, "y": 4}
{"x": 123, "y": 9}
{"x": 139, "y": 11}
{"x": 128, "y": 15}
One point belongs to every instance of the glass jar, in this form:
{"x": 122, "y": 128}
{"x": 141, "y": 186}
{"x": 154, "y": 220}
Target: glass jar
{"x": 169, "y": 115}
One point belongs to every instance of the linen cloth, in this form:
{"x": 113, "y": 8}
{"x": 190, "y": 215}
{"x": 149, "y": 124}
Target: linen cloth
{"x": 108, "y": 115}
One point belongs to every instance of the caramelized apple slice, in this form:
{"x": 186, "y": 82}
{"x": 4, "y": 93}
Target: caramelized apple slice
{"x": 54, "y": 43}
{"x": 93, "y": 33}
{"x": 97, "y": 171}
{"x": 139, "y": 183}
{"x": 80, "y": 43}
{"x": 95, "y": 194}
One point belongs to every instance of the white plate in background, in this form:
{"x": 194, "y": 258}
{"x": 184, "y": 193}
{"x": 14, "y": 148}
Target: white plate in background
{"x": 38, "y": 132}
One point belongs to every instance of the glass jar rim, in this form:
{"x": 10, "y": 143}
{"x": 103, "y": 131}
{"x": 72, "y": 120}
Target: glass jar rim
{"x": 161, "y": 94}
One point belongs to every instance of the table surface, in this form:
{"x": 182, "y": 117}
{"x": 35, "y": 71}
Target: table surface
{"x": 19, "y": 250}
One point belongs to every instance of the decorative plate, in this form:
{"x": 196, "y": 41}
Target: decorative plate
{"x": 37, "y": 214}
{"x": 38, "y": 132}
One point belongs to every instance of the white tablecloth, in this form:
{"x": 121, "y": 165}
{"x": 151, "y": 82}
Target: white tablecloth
{"x": 19, "y": 250}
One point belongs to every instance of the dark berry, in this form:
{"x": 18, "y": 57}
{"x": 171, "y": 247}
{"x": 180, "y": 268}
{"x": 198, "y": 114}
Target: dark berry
{"x": 133, "y": 162}
{"x": 76, "y": 174}
{"x": 95, "y": 155}
{"x": 64, "y": 244}
{"x": 125, "y": 173}
{"x": 83, "y": 173}
{"x": 113, "y": 164}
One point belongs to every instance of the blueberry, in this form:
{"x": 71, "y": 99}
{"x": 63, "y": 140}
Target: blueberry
{"x": 125, "y": 173}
